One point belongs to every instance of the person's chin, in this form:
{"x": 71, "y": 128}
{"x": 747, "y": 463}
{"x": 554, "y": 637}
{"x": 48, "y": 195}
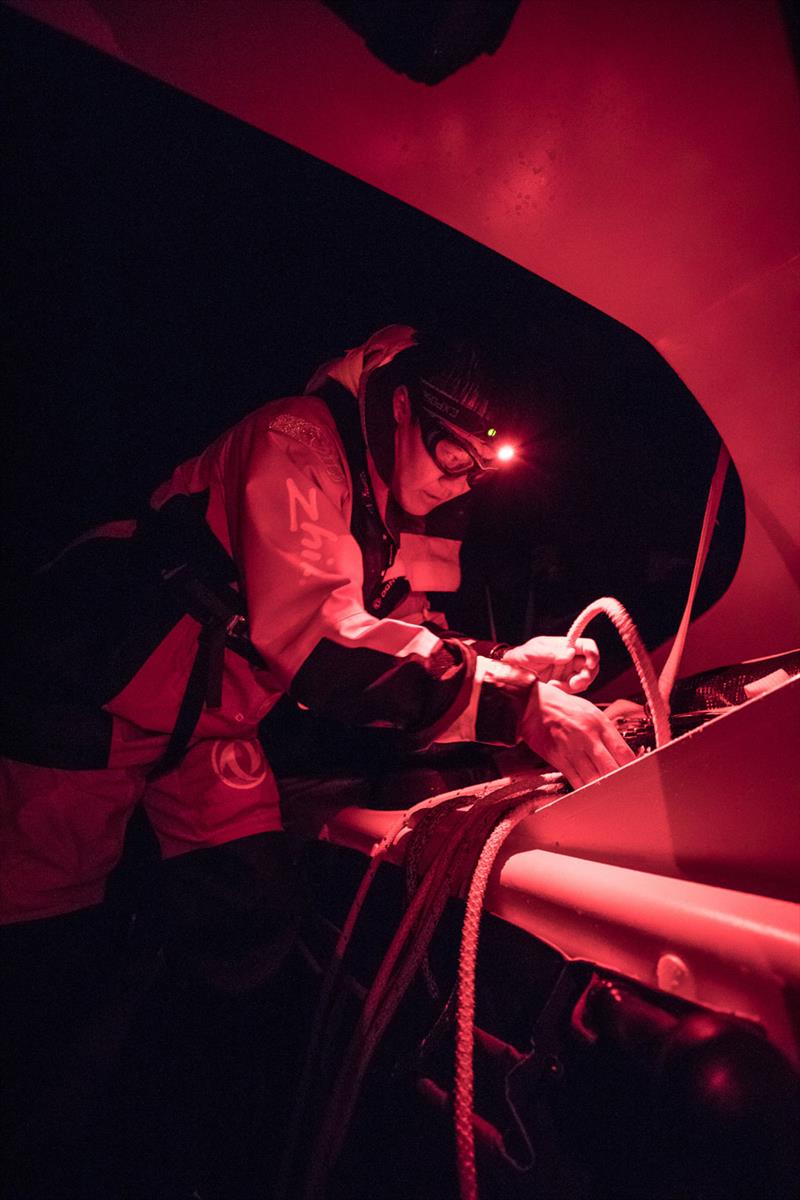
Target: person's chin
{"x": 424, "y": 503}
{"x": 417, "y": 504}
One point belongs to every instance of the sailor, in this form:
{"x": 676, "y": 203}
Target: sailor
{"x": 291, "y": 557}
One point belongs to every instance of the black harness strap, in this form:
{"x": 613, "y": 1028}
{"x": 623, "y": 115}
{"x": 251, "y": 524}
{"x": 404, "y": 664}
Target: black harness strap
{"x": 378, "y": 546}
{"x": 108, "y": 603}
{"x": 223, "y": 624}
{"x": 203, "y": 687}
{"x": 221, "y": 610}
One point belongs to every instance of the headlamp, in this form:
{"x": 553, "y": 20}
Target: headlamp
{"x": 441, "y": 404}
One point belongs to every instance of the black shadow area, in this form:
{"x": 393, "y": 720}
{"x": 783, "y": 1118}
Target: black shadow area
{"x": 170, "y": 268}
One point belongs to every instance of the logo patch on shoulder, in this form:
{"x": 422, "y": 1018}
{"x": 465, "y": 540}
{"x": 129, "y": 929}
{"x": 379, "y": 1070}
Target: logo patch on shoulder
{"x": 316, "y": 438}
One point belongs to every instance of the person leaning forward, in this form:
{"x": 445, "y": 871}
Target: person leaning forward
{"x": 291, "y": 557}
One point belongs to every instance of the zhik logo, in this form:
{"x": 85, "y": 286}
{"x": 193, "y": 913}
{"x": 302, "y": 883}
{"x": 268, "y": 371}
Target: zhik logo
{"x": 238, "y": 764}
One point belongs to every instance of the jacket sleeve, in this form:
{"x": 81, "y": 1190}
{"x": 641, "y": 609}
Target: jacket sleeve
{"x": 287, "y": 497}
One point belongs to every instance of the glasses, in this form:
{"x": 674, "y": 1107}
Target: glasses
{"x": 452, "y": 456}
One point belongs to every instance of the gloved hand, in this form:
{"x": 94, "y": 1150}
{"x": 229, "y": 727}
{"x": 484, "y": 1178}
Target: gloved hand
{"x": 554, "y": 660}
{"x": 572, "y": 735}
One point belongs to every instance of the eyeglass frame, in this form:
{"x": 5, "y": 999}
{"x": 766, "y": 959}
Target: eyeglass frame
{"x": 433, "y": 430}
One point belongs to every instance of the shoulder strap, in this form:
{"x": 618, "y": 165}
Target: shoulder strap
{"x": 378, "y": 547}
{"x": 195, "y": 566}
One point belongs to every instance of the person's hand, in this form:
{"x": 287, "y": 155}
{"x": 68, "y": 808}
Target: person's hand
{"x": 572, "y": 735}
{"x": 620, "y": 711}
{"x": 554, "y": 660}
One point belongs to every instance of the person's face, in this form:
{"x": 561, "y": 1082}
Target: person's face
{"x": 418, "y": 484}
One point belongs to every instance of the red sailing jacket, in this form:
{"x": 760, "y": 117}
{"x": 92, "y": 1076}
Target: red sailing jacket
{"x": 280, "y": 498}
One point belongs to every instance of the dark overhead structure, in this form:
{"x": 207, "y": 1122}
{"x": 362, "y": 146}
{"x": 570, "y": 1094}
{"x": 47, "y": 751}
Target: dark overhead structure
{"x": 428, "y": 42}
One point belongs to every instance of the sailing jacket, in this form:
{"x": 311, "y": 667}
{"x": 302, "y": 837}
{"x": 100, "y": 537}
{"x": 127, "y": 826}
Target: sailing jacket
{"x": 311, "y": 568}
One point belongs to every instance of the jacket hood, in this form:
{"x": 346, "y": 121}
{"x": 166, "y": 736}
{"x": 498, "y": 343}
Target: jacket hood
{"x": 353, "y": 370}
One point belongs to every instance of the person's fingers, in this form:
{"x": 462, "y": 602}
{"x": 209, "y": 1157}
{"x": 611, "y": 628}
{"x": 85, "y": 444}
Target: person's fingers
{"x": 622, "y": 710}
{"x": 603, "y": 758}
{"x": 555, "y": 660}
{"x": 581, "y": 667}
{"x": 595, "y": 760}
{"x": 579, "y": 681}
{"x": 616, "y": 745}
{"x": 590, "y": 651}
{"x": 586, "y": 665}
{"x": 564, "y": 660}
{"x": 574, "y": 771}
{"x": 572, "y": 734}
{"x": 556, "y": 673}
{"x": 583, "y": 768}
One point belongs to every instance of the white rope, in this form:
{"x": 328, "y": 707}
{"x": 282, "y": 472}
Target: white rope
{"x": 624, "y": 625}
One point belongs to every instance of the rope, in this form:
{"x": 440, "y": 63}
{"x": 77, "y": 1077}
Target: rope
{"x": 624, "y": 625}
{"x": 463, "y": 1115}
{"x": 669, "y": 671}
{"x": 487, "y": 821}
{"x": 445, "y": 875}
{"x": 326, "y": 1010}
{"x": 424, "y": 831}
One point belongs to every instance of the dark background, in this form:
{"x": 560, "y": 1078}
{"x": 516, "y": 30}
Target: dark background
{"x": 169, "y": 268}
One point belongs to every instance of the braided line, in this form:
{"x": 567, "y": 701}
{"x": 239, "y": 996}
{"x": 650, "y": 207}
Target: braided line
{"x": 624, "y": 625}
{"x": 382, "y": 1000}
{"x": 396, "y": 973}
{"x": 465, "y": 1014}
{"x": 421, "y": 837}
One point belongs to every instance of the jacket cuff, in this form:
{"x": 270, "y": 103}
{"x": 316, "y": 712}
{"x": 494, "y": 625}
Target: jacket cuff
{"x": 504, "y": 694}
{"x": 490, "y": 649}
{"x": 458, "y": 711}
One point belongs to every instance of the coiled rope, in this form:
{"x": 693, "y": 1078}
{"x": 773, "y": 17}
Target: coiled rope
{"x": 415, "y": 930}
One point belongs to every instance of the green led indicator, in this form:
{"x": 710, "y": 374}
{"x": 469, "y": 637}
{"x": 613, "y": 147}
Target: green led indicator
{"x": 491, "y": 433}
